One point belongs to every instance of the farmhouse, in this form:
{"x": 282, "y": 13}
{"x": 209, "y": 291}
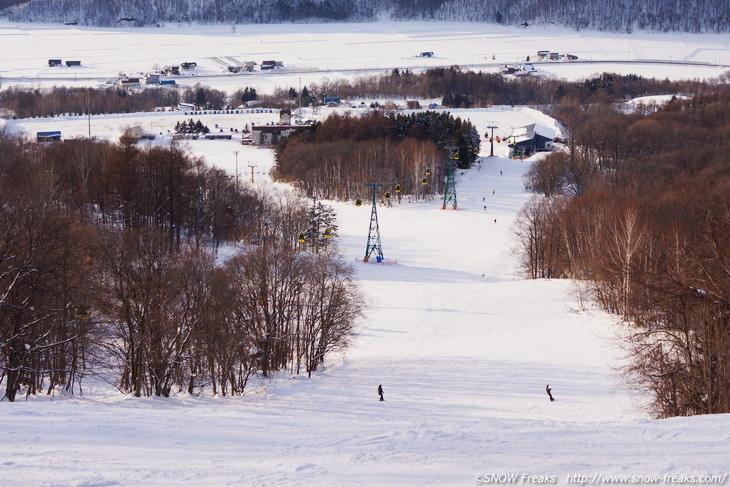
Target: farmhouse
{"x": 508, "y": 69}
{"x": 138, "y": 133}
{"x": 152, "y": 78}
{"x": 530, "y": 139}
{"x": 519, "y": 70}
{"x": 129, "y": 82}
{"x": 271, "y": 65}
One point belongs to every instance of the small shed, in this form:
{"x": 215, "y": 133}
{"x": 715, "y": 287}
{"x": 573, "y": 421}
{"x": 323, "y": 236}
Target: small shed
{"x": 265, "y": 65}
{"x": 73, "y": 63}
{"x": 413, "y": 104}
{"x": 543, "y": 54}
{"x": 554, "y": 56}
{"x": 426, "y": 54}
{"x": 188, "y": 65}
{"x": 54, "y": 62}
{"x": 50, "y": 136}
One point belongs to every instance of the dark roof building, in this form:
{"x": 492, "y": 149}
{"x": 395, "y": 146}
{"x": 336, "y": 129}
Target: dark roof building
{"x": 530, "y": 139}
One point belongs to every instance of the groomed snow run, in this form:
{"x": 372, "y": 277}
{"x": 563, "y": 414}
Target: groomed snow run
{"x": 461, "y": 344}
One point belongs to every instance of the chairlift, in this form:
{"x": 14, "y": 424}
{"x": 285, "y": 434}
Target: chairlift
{"x": 358, "y": 202}
{"x": 397, "y": 188}
{"x": 424, "y": 182}
{"x": 301, "y": 237}
{"x": 387, "y": 195}
{"x": 327, "y": 232}
{"x": 82, "y": 313}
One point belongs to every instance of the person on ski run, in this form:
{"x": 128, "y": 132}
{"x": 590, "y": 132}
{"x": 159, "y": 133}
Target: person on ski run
{"x": 380, "y": 391}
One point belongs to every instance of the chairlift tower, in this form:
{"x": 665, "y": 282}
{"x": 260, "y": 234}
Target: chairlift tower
{"x": 450, "y": 188}
{"x": 374, "y": 232}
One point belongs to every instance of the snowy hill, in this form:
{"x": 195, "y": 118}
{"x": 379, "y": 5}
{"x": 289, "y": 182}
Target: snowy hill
{"x": 462, "y": 346}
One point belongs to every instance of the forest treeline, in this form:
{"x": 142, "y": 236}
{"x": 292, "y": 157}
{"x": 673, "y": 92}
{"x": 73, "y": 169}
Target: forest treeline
{"x": 617, "y": 15}
{"x": 455, "y": 88}
{"x": 108, "y": 268}
{"x": 458, "y": 88}
{"x": 638, "y": 205}
{"x": 407, "y": 154}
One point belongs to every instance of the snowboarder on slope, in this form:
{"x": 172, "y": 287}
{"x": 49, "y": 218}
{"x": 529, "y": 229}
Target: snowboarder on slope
{"x": 547, "y": 389}
{"x": 380, "y": 391}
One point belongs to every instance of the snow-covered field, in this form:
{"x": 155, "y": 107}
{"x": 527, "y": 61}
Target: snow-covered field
{"x": 311, "y": 52}
{"x": 462, "y": 345}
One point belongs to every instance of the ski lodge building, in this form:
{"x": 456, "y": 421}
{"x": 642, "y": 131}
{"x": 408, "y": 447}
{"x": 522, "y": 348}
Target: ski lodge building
{"x": 530, "y": 139}
{"x": 266, "y": 134}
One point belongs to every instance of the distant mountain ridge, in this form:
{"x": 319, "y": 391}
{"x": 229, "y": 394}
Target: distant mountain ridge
{"x": 604, "y": 15}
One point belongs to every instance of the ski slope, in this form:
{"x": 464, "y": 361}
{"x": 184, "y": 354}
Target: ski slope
{"x": 461, "y": 344}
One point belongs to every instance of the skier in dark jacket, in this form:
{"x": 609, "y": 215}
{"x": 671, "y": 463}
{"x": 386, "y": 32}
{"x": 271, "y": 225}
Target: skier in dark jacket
{"x": 380, "y": 391}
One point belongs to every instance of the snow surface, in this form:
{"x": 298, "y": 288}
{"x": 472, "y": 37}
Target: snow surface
{"x": 462, "y": 345}
{"x": 311, "y": 52}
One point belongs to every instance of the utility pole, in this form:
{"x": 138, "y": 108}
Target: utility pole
{"x": 491, "y": 139}
{"x": 374, "y": 232}
{"x": 251, "y": 166}
{"x": 235, "y": 153}
{"x": 450, "y": 188}
{"x": 88, "y": 110}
